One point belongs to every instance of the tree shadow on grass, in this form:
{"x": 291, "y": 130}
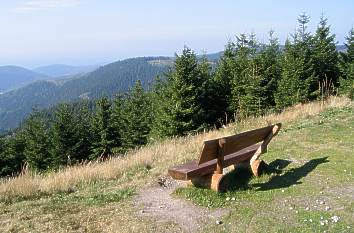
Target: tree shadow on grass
{"x": 291, "y": 176}
{"x": 239, "y": 179}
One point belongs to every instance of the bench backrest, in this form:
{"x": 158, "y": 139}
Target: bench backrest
{"x": 231, "y": 144}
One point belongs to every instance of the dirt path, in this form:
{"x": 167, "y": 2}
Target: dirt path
{"x": 158, "y": 202}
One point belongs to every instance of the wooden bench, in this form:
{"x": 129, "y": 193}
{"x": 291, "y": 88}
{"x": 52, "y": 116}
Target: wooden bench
{"x": 220, "y": 153}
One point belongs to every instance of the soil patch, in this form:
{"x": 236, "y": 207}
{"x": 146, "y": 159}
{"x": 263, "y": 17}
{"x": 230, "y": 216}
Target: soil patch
{"x": 157, "y": 202}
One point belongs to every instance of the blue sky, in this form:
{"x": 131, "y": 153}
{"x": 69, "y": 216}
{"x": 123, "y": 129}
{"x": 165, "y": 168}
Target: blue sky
{"x": 80, "y": 32}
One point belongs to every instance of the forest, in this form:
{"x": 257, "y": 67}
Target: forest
{"x": 250, "y": 79}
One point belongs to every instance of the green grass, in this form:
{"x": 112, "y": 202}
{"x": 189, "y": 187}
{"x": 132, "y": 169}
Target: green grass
{"x": 310, "y": 160}
{"x": 94, "y": 199}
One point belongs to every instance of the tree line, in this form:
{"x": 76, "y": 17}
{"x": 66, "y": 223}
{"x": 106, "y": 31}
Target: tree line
{"x": 250, "y": 79}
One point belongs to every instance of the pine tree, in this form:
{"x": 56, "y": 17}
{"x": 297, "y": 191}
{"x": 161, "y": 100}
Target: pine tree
{"x": 222, "y": 82}
{"x": 37, "y": 148}
{"x": 205, "y": 96}
{"x": 104, "y": 139}
{"x": 117, "y": 121}
{"x": 245, "y": 91}
{"x": 270, "y": 71}
{"x": 64, "y": 136}
{"x": 303, "y": 52}
{"x": 84, "y": 133}
{"x": 179, "y": 112}
{"x": 11, "y": 154}
{"x": 298, "y": 81}
{"x": 291, "y": 88}
{"x": 136, "y": 118}
{"x": 325, "y": 57}
{"x": 347, "y": 67}
{"x": 161, "y": 109}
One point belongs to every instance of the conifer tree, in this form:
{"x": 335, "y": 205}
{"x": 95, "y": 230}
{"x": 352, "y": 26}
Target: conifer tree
{"x": 270, "y": 71}
{"x": 117, "y": 121}
{"x": 136, "y": 118}
{"x": 298, "y": 81}
{"x": 222, "y": 82}
{"x": 11, "y": 154}
{"x": 205, "y": 96}
{"x": 162, "y": 109}
{"x": 179, "y": 113}
{"x": 245, "y": 95}
{"x": 37, "y": 148}
{"x": 84, "y": 133}
{"x": 104, "y": 139}
{"x": 64, "y": 136}
{"x": 347, "y": 66}
{"x": 325, "y": 56}
{"x": 291, "y": 88}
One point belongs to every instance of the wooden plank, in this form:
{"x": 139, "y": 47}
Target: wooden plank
{"x": 191, "y": 169}
{"x": 263, "y": 148}
{"x": 237, "y": 142}
{"x": 233, "y": 143}
{"x": 209, "y": 151}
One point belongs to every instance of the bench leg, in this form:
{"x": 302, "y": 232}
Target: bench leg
{"x": 216, "y": 182}
{"x": 211, "y": 181}
{"x": 257, "y": 166}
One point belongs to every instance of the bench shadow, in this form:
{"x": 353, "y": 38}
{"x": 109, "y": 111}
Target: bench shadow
{"x": 291, "y": 176}
{"x": 239, "y": 179}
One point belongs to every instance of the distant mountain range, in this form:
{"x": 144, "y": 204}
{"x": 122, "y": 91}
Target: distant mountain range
{"x": 14, "y": 76}
{"x": 107, "y": 80}
{"x": 60, "y": 70}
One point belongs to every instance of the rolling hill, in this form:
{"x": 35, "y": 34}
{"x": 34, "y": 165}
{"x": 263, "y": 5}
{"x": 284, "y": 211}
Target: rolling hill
{"x": 15, "y": 76}
{"x": 105, "y": 81}
{"x": 60, "y": 70}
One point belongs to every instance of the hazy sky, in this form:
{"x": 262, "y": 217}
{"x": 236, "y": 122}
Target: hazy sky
{"x": 78, "y": 32}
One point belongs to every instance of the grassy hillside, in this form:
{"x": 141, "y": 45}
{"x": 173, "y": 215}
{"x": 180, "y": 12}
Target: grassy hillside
{"x": 312, "y": 191}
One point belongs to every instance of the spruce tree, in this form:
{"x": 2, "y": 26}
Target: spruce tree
{"x": 104, "y": 139}
{"x": 325, "y": 57}
{"x": 245, "y": 91}
{"x": 64, "y": 136}
{"x": 298, "y": 82}
{"x": 347, "y": 67}
{"x": 222, "y": 82}
{"x": 136, "y": 118}
{"x": 84, "y": 133}
{"x": 37, "y": 143}
{"x": 11, "y": 154}
{"x": 162, "y": 109}
{"x": 179, "y": 113}
{"x": 270, "y": 71}
{"x": 303, "y": 52}
{"x": 117, "y": 121}
{"x": 291, "y": 88}
{"x": 205, "y": 96}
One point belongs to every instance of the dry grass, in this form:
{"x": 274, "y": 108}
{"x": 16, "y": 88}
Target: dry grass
{"x": 158, "y": 156}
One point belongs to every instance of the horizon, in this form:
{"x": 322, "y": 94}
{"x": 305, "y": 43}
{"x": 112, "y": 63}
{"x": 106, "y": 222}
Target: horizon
{"x": 78, "y": 32}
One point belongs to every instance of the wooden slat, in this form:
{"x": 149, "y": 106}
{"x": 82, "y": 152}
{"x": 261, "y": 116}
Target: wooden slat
{"x": 237, "y": 142}
{"x": 190, "y": 170}
{"x": 234, "y": 143}
{"x": 209, "y": 151}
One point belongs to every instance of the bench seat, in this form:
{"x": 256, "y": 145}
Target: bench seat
{"x": 191, "y": 169}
